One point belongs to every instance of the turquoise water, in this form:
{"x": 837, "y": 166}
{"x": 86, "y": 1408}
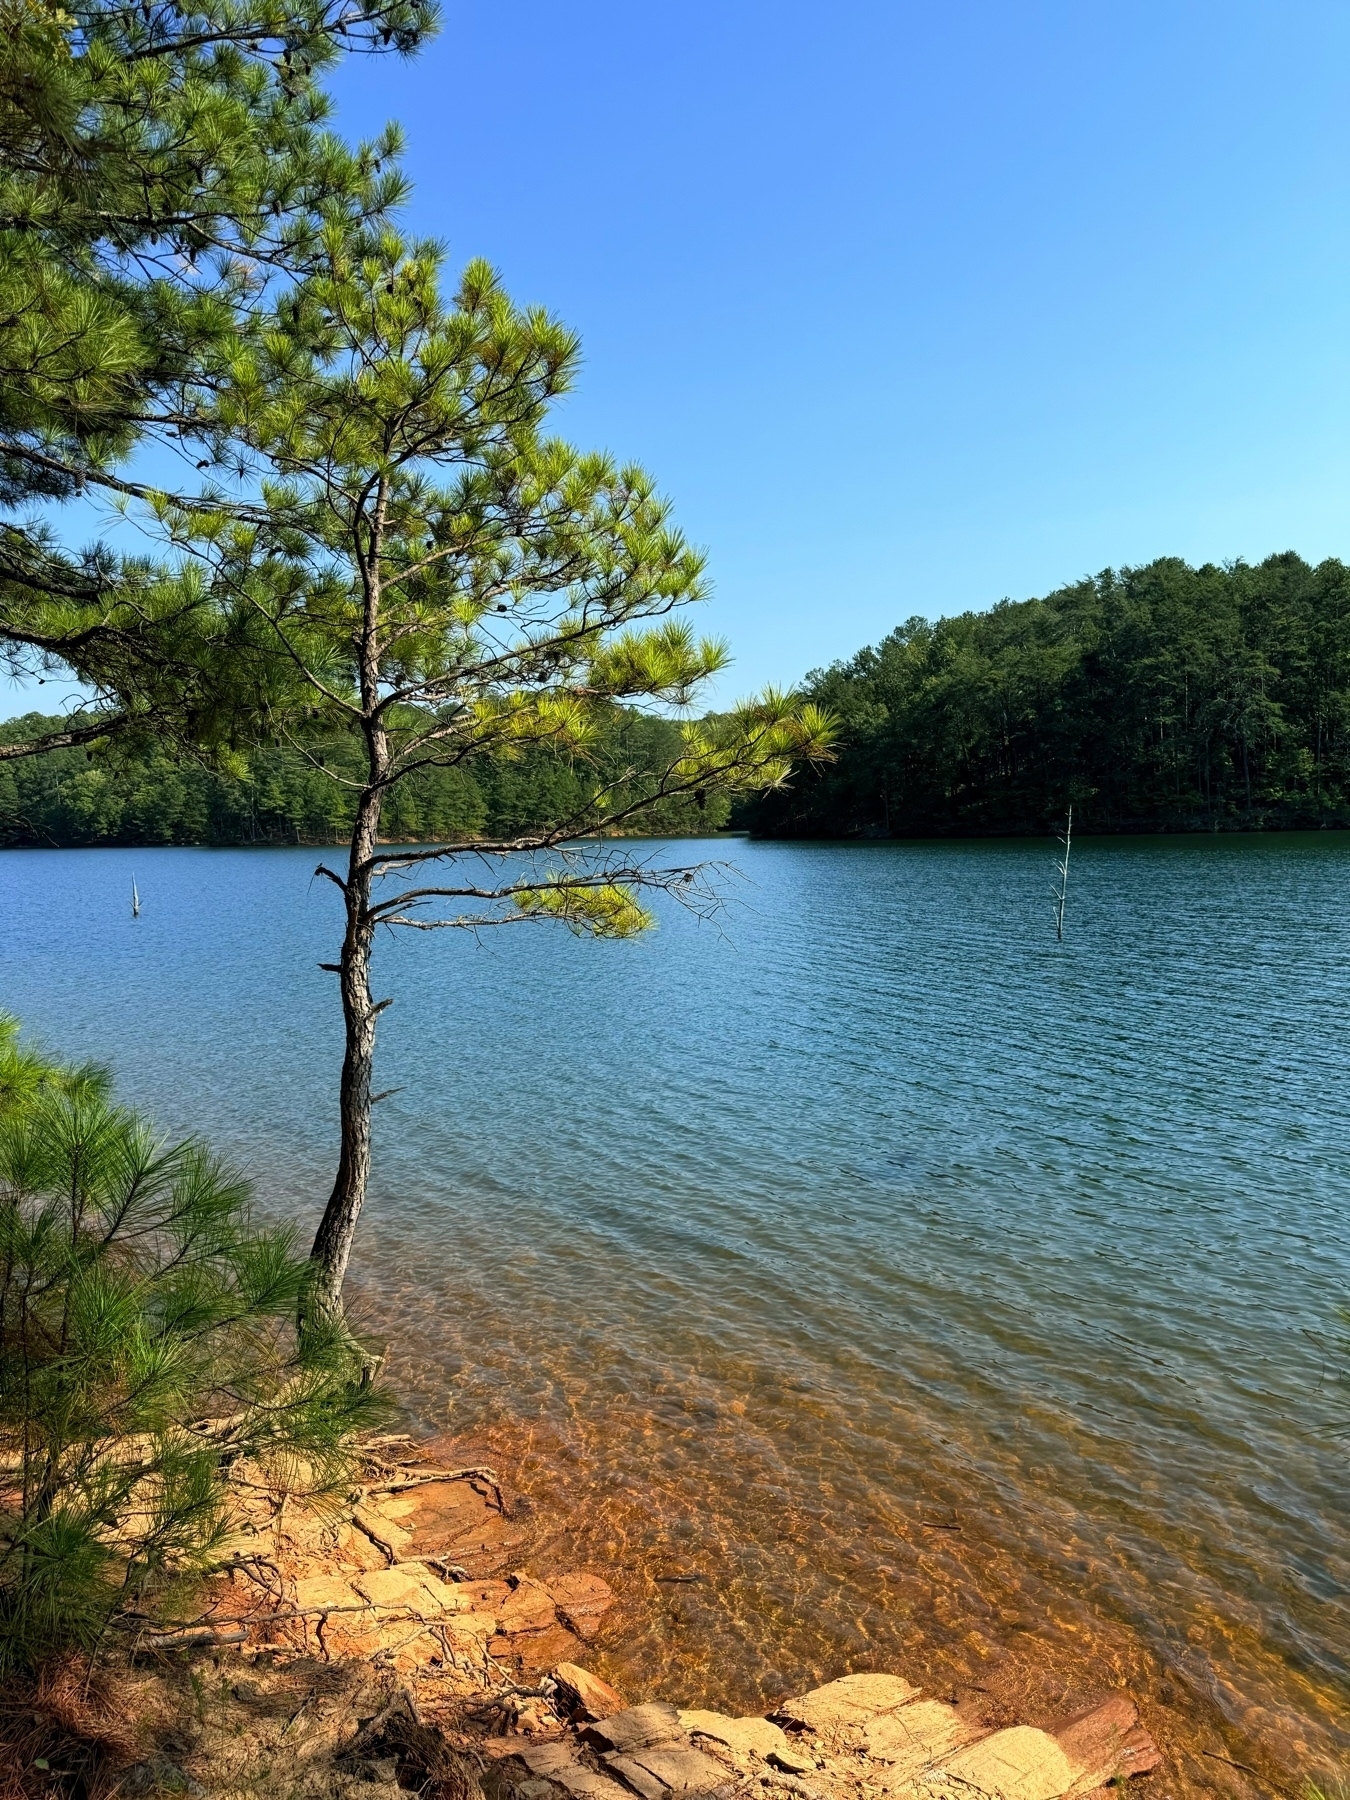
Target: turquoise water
{"x": 771, "y": 1248}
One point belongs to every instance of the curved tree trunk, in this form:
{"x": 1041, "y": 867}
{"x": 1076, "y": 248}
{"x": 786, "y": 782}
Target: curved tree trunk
{"x": 333, "y": 1240}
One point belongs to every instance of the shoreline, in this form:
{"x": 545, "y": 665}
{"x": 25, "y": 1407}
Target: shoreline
{"x": 437, "y": 1660}
{"x": 432, "y": 1591}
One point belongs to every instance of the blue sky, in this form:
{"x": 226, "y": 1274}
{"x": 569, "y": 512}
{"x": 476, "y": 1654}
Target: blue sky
{"x": 911, "y": 307}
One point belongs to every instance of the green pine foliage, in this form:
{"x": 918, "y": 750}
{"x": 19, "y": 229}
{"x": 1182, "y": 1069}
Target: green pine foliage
{"x": 147, "y": 794}
{"x": 1160, "y": 698}
{"x": 147, "y": 1343}
{"x": 165, "y": 165}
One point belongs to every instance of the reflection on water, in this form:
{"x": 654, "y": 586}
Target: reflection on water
{"x": 914, "y": 1287}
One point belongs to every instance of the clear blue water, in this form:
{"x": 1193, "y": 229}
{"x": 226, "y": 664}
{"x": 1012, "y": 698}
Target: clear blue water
{"x": 767, "y": 1249}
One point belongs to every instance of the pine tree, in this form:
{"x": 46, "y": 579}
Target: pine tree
{"x": 448, "y": 584}
{"x": 147, "y": 1343}
{"x": 163, "y": 164}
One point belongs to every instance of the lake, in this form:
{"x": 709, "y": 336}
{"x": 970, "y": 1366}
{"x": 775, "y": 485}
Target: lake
{"x": 917, "y": 1289}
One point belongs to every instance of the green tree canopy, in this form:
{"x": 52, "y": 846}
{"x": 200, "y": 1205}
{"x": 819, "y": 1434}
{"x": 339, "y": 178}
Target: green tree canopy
{"x": 163, "y": 164}
{"x": 128, "y": 791}
{"x": 1156, "y": 698}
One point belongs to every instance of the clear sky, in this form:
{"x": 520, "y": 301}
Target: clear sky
{"x": 910, "y": 307}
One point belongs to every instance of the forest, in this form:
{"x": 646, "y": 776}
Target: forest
{"x": 146, "y": 792}
{"x": 1158, "y": 698}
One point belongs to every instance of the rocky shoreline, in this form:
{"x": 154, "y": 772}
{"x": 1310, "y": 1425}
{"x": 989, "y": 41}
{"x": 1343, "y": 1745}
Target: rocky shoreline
{"x": 390, "y": 1645}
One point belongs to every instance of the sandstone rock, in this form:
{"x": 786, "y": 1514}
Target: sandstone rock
{"x": 636, "y": 1727}
{"x": 852, "y": 1700}
{"x": 535, "y": 1790}
{"x": 533, "y": 1651}
{"x": 678, "y": 1768}
{"x": 792, "y": 1760}
{"x": 497, "y": 1748}
{"x": 385, "y": 1532}
{"x": 444, "y": 1596}
{"x": 1020, "y": 1763}
{"x": 582, "y": 1601}
{"x": 325, "y": 1590}
{"x": 1108, "y": 1742}
{"x": 472, "y": 1627}
{"x": 636, "y": 1778}
{"x": 544, "y": 1759}
{"x": 744, "y": 1737}
{"x": 588, "y": 1784}
{"x": 527, "y": 1607}
{"x": 916, "y": 1735}
{"x": 397, "y": 1587}
{"x": 353, "y": 1546}
{"x": 484, "y": 1596}
{"x": 586, "y": 1695}
{"x": 558, "y": 1762}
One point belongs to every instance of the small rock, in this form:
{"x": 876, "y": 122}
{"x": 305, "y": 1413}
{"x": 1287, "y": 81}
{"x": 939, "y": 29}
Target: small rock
{"x": 795, "y": 1762}
{"x": 586, "y": 1695}
{"x": 1108, "y": 1741}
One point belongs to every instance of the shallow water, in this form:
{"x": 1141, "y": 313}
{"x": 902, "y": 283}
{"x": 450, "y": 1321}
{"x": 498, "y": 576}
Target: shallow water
{"x": 914, "y": 1286}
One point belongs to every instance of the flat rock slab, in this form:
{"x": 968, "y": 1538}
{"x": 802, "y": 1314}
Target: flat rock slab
{"x": 1108, "y": 1742}
{"x": 461, "y": 1520}
{"x": 324, "y": 1591}
{"x": 917, "y": 1735}
{"x": 558, "y": 1763}
{"x": 544, "y": 1759}
{"x": 527, "y": 1607}
{"x": 636, "y": 1727}
{"x": 1020, "y": 1763}
{"x": 582, "y": 1601}
{"x": 409, "y": 1587}
{"x": 743, "y": 1737}
{"x": 852, "y": 1700}
{"x": 668, "y": 1769}
{"x": 588, "y": 1784}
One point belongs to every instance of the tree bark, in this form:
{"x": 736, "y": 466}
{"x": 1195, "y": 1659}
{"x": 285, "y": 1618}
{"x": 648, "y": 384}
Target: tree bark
{"x": 333, "y": 1240}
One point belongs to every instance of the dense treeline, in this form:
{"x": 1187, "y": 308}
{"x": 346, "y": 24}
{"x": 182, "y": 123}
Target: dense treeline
{"x": 1156, "y": 698}
{"x": 145, "y": 794}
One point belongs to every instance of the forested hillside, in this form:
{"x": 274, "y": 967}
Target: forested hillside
{"x": 117, "y": 794}
{"x": 1156, "y": 698}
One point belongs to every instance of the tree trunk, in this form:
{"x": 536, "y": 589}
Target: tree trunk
{"x": 333, "y": 1240}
